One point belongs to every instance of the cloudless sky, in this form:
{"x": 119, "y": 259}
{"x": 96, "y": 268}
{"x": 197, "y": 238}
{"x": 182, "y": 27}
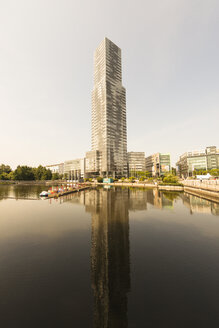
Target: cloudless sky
{"x": 170, "y": 58}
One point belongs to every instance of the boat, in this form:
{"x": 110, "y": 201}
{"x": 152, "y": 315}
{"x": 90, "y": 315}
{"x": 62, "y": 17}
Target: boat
{"x": 44, "y": 194}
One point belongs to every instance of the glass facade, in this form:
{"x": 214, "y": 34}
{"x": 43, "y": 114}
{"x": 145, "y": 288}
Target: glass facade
{"x": 109, "y": 135}
{"x": 207, "y": 159}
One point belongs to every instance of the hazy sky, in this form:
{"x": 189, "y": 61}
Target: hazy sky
{"x": 170, "y": 56}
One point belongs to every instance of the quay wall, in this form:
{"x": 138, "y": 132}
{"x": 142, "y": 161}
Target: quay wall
{"x": 210, "y": 185}
{"x": 210, "y": 190}
{"x": 206, "y": 194}
{"x": 142, "y": 185}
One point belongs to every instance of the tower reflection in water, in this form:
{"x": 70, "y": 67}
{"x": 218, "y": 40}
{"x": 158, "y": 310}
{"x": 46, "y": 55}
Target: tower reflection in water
{"x": 110, "y": 268}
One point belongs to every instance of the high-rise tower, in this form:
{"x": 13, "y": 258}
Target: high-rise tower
{"x": 109, "y": 132}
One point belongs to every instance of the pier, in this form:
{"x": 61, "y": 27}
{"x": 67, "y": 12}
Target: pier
{"x": 67, "y": 192}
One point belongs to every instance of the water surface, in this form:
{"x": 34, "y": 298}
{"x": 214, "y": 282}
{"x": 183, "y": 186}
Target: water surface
{"x": 108, "y": 257}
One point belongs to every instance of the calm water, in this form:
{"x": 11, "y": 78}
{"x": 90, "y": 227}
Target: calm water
{"x": 108, "y": 258}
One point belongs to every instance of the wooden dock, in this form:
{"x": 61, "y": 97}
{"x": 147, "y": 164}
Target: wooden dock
{"x": 67, "y": 192}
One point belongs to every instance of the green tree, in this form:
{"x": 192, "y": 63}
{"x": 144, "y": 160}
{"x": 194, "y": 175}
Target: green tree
{"x": 11, "y": 175}
{"x": 200, "y": 172}
{"x": 99, "y": 179}
{"x": 5, "y": 168}
{"x": 173, "y": 171}
{"x": 148, "y": 174}
{"x": 214, "y": 172}
{"x": 42, "y": 173}
{"x": 55, "y": 176}
{"x": 25, "y": 173}
{"x": 169, "y": 178}
{"x": 4, "y": 176}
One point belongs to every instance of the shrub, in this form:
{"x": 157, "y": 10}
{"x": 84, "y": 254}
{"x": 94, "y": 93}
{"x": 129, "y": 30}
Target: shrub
{"x": 170, "y": 179}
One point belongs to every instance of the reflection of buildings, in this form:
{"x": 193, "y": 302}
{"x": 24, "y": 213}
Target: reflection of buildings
{"x": 199, "y": 205}
{"x": 159, "y": 198}
{"x": 137, "y": 199}
{"x": 109, "y": 256}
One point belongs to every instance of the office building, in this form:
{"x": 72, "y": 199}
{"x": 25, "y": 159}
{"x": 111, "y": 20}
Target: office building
{"x": 74, "y": 169}
{"x": 92, "y": 163}
{"x": 136, "y": 162}
{"x": 158, "y": 164}
{"x": 109, "y": 135}
{"x": 206, "y": 159}
{"x": 56, "y": 168}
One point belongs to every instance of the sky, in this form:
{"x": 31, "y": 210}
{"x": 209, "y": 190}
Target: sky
{"x": 170, "y": 54}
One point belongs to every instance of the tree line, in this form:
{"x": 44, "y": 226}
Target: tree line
{"x": 27, "y": 173}
{"x": 213, "y": 172}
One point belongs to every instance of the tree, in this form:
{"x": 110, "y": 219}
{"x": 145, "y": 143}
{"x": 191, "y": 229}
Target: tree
{"x": 173, "y": 171}
{"x": 169, "y": 178}
{"x": 99, "y": 179}
{"x": 55, "y": 176}
{"x": 214, "y": 172}
{"x": 200, "y": 172}
{"x": 11, "y": 175}
{"x": 42, "y": 173}
{"x": 4, "y": 176}
{"x": 25, "y": 173}
{"x": 5, "y": 169}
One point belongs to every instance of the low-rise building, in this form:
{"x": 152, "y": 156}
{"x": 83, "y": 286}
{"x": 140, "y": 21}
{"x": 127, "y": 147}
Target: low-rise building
{"x": 136, "y": 162}
{"x": 74, "y": 169}
{"x": 158, "y": 164}
{"x": 206, "y": 159}
{"x": 56, "y": 168}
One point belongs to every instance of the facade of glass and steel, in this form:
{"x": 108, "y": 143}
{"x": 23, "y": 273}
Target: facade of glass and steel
{"x": 206, "y": 159}
{"x": 109, "y": 132}
{"x": 136, "y": 162}
{"x": 75, "y": 169}
{"x": 56, "y": 168}
{"x": 158, "y": 164}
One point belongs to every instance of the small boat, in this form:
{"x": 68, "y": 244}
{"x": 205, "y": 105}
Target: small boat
{"x": 44, "y": 194}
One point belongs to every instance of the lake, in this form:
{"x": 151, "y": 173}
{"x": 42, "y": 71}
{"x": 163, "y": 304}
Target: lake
{"x": 108, "y": 257}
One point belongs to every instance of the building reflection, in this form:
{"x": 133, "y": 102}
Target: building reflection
{"x": 199, "y": 205}
{"x": 161, "y": 199}
{"x": 110, "y": 267}
{"x": 138, "y": 199}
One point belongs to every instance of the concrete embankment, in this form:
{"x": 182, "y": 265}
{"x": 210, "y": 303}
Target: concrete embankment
{"x": 209, "y": 195}
{"x": 142, "y": 185}
{"x": 208, "y": 189}
{"x": 205, "y": 189}
{"x": 209, "y": 185}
